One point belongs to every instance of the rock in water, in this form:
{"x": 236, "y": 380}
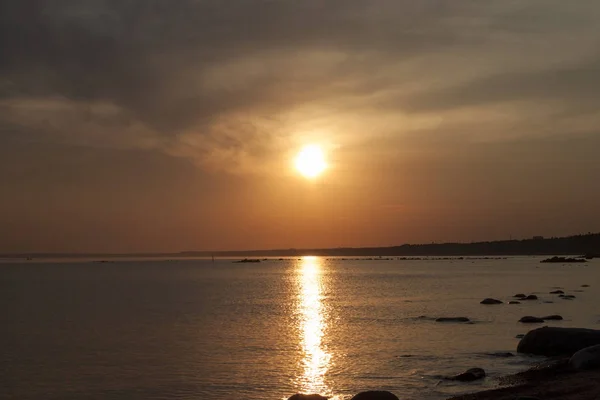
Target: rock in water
{"x": 520, "y": 295}
{"x": 470, "y": 375}
{"x": 452, "y": 319}
{"x": 299, "y": 396}
{"x": 375, "y": 395}
{"x": 514, "y": 302}
{"x": 490, "y": 301}
{"x": 503, "y": 355}
{"x": 531, "y": 320}
{"x": 552, "y": 318}
{"x": 557, "y": 292}
{"x": 588, "y": 358}
{"x": 551, "y": 341}
{"x": 530, "y": 297}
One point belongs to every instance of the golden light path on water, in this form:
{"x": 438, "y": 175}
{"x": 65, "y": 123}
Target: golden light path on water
{"x": 313, "y": 327}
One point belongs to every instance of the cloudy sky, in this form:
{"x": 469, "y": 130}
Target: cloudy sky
{"x": 169, "y": 125}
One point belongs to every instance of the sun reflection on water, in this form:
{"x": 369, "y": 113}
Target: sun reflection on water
{"x": 313, "y": 327}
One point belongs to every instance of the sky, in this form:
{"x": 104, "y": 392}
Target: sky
{"x": 160, "y": 125}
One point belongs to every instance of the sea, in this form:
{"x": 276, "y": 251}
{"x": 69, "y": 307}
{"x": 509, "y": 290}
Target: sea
{"x": 204, "y": 329}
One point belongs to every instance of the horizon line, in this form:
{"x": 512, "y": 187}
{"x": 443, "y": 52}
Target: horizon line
{"x": 208, "y": 253}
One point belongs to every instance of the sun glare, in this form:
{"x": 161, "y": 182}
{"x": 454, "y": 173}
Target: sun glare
{"x": 310, "y": 161}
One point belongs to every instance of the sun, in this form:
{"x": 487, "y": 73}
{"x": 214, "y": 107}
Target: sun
{"x": 310, "y": 161}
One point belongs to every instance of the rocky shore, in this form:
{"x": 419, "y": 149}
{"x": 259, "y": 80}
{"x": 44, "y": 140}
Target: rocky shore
{"x": 571, "y": 372}
{"x": 557, "y": 381}
{"x": 549, "y": 382}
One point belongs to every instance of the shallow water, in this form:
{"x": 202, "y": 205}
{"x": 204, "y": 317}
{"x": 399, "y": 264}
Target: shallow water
{"x": 193, "y": 329}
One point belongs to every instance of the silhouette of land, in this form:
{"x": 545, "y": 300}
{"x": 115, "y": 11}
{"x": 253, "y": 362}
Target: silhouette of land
{"x": 588, "y": 244}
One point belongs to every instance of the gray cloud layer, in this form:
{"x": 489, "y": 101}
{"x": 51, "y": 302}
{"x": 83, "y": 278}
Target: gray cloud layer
{"x": 194, "y": 77}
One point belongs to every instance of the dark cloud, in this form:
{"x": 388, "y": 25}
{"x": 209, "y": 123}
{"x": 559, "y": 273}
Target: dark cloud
{"x": 153, "y": 58}
{"x": 573, "y": 86}
{"x": 186, "y": 64}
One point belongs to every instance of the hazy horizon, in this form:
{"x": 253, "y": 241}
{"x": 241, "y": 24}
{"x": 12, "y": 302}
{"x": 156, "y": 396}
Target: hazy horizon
{"x": 153, "y": 126}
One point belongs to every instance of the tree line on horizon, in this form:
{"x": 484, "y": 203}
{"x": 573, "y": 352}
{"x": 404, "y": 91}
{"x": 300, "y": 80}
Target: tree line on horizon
{"x": 582, "y": 244}
{"x": 570, "y": 245}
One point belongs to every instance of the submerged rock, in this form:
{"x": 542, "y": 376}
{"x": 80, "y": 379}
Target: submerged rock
{"x": 247, "y": 260}
{"x": 551, "y": 341}
{"x": 520, "y": 295}
{"x": 531, "y": 297}
{"x": 557, "y": 292}
{"x": 424, "y": 317}
{"x": 553, "y": 318}
{"x": 566, "y": 296}
{"x": 585, "y": 285}
{"x": 531, "y": 320}
{"x": 470, "y": 375}
{"x": 375, "y": 395}
{"x": 491, "y": 301}
{"x": 563, "y": 260}
{"x": 501, "y": 355}
{"x": 588, "y": 358}
{"x": 300, "y": 396}
{"x": 514, "y": 302}
{"x": 452, "y": 319}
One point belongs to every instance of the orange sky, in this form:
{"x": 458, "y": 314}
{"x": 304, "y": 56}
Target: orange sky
{"x": 138, "y": 127}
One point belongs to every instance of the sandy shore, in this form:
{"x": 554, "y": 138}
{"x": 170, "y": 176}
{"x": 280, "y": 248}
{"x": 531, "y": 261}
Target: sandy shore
{"x": 553, "y": 380}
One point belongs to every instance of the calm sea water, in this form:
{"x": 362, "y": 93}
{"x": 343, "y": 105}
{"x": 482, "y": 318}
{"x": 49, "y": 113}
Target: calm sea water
{"x": 191, "y": 329}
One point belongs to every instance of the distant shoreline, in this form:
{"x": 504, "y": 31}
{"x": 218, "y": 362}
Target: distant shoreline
{"x": 537, "y": 246}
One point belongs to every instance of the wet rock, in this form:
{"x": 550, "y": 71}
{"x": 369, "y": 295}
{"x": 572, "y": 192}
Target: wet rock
{"x": 563, "y": 260}
{"x": 551, "y": 341}
{"x": 520, "y": 295}
{"x": 552, "y": 318}
{"x": 491, "y": 301}
{"x": 452, "y": 319}
{"x": 502, "y": 355}
{"x": 530, "y": 297}
{"x": 375, "y": 395}
{"x": 557, "y": 292}
{"x": 567, "y": 296}
{"x": 247, "y": 260}
{"x": 531, "y": 320}
{"x": 588, "y": 358}
{"x": 470, "y": 375}
{"x": 585, "y": 285}
{"x": 514, "y": 302}
{"x": 299, "y": 396}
